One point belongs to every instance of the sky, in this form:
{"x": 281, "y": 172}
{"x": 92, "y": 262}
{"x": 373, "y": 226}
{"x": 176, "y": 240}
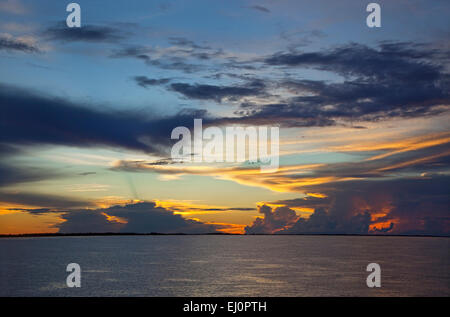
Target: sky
{"x": 87, "y": 114}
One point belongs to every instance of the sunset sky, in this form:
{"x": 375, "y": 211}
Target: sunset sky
{"x": 86, "y": 116}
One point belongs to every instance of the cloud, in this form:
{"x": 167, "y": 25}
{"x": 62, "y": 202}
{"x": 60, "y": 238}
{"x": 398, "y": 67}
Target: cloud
{"x": 410, "y": 156}
{"x": 217, "y": 93}
{"x": 145, "y": 82}
{"x": 43, "y": 201}
{"x": 391, "y": 59}
{"x": 307, "y": 201}
{"x": 29, "y": 118}
{"x": 408, "y": 205}
{"x": 397, "y": 187}
{"x": 181, "y": 55}
{"x": 273, "y": 220}
{"x": 259, "y": 8}
{"x": 224, "y": 209}
{"x": 393, "y": 80}
{"x": 321, "y": 222}
{"x": 416, "y": 205}
{"x": 168, "y": 60}
{"x": 186, "y": 207}
{"x": 283, "y": 114}
{"x": 21, "y": 44}
{"x": 12, "y": 175}
{"x": 86, "y": 33}
{"x": 207, "y": 92}
{"x": 143, "y": 217}
{"x": 183, "y": 47}
{"x": 181, "y": 41}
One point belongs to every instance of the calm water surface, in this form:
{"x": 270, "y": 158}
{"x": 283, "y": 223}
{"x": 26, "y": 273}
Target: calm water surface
{"x": 224, "y": 266}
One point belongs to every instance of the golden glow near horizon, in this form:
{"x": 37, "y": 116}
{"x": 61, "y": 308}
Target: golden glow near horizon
{"x": 13, "y": 221}
{"x": 210, "y": 184}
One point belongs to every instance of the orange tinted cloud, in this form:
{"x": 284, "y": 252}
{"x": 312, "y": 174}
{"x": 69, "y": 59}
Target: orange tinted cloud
{"x": 21, "y": 222}
{"x": 298, "y": 177}
{"x": 114, "y": 218}
{"x": 228, "y": 227}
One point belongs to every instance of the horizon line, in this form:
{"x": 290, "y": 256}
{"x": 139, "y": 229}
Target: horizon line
{"x": 56, "y": 234}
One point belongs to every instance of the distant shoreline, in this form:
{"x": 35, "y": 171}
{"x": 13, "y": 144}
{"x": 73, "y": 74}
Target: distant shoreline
{"x": 37, "y": 235}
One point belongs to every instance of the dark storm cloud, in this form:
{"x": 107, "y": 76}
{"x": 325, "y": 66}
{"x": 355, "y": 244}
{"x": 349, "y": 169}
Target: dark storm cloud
{"x": 371, "y": 200}
{"x": 273, "y": 220}
{"x": 145, "y": 82}
{"x": 405, "y": 61}
{"x": 14, "y": 44}
{"x": 87, "y": 221}
{"x": 421, "y": 205}
{"x": 85, "y": 33}
{"x": 410, "y": 205}
{"x": 217, "y": 93}
{"x": 142, "y": 217}
{"x": 283, "y": 114}
{"x": 308, "y": 201}
{"x": 283, "y": 220}
{"x": 321, "y": 222}
{"x": 394, "y": 80}
{"x": 29, "y": 118}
